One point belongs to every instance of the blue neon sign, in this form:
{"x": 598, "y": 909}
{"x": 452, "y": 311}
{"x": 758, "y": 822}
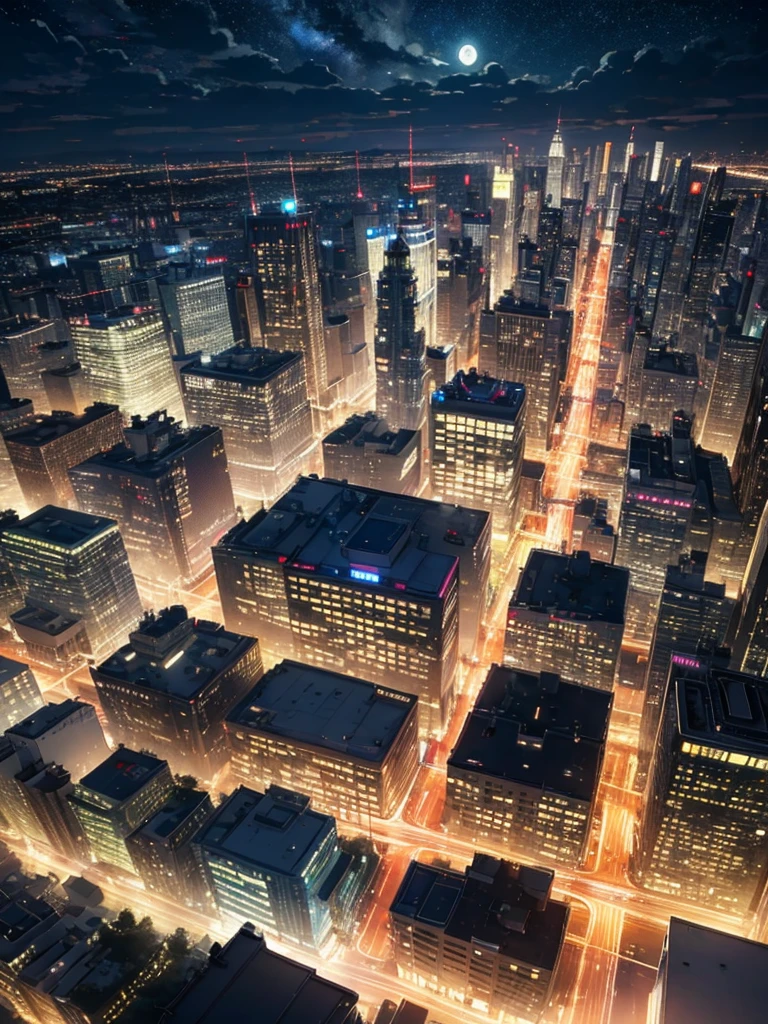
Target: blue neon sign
{"x": 363, "y": 576}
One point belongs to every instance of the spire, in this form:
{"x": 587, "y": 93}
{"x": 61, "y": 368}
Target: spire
{"x": 251, "y": 197}
{"x": 293, "y": 179}
{"x": 410, "y": 157}
{"x": 357, "y": 168}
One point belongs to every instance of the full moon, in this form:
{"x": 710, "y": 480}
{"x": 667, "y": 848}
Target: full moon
{"x": 467, "y": 54}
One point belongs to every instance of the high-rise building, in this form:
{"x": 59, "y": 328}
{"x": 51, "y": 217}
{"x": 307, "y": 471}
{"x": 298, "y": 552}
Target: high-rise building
{"x": 706, "y": 975}
{"x": 362, "y": 581}
{"x": 699, "y": 836}
{"x": 477, "y": 430}
{"x": 46, "y": 790}
{"x": 49, "y": 637}
{"x": 42, "y": 451}
{"x": 283, "y": 250}
{"x": 75, "y": 565}
{"x": 247, "y": 311}
{"x": 694, "y": 616}
{"x": 567, "y": 616}
{"x": 525, "y": 349}
{"x": 400, "y": 344}
{"x": 105, "y": 279}
{"x": 114, "y": 799}
{"x": 353, "y": 745}
{"x": 27, "y": 349}
{"x": 19, "y": 692}
{"x": 730, "y": 394}
{"x": 489, "y": 938}
{"x": 238, "y": 977}
{"x": 169, "y": 491}
{"x": 462, "y": 280}
{"x": 524, "y": 772}
{"x": 126, "y": 361}
{"x": 503, "y": 211}
{"x": 656, "y": 165}
{"x": 197, "y": 310}
{"x": 271, "y": 859}
{"x": 416, "y": 211}
{"x": 162, "y": 852}
{"x": 14, "y": 413}
{"x": 367, "y": 453}
{"x": 555, "y": 168}
{"x": 749, "y": 635}
{"x": 259, "y": 399}
{"x": 172, "y": 685}
{"x": 661, "y": 381}
{"x": 68, "y": 733}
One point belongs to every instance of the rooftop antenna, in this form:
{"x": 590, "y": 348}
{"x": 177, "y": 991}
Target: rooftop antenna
{"x": 293, "y": 179}
{"x": 357, "y": 168}
{"x": 254, "y": 209}
{"x": 559, "y": 117}
{"x": 168, "y": 179}
{"x": 410, "y": 156}
{"x": 632, "y": 134}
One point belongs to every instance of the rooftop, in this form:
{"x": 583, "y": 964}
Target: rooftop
{"x": 661, "y": 458}
{"x": 10, "y": 669}
{"x": 661, "y": 359}
{"x": 362, "y": 535}
{"x": 121, "y": 775}
{"x": 711, "y": 976}
{"x": 45, "y": 430}
{"x": 572, "y": 586}
{"x": 174, "y": 812}
{"x": 505, "y": 906}
{"x": 254, "y": 366}
{"x": 325, "y": 709}
{"x": 243, "y": 974}
{"x": 276, "y": 830}
{"x": 126, "y": 317}
{"x": 721, "y": 708}
{"x": 509, "y": 304}
{"x": 124, "y": 459}
{"x": 61, "y": 527}
{"x": 370, "y": 431}
{"x": 47, "y": 717}
{"x": 536, "y": 730}
{"x": 473, "y": 394}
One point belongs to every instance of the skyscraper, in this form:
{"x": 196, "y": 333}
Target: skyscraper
{"x": 170, "y": 492}
{"x": 400, "y": 345}
{"x": 730, "y": 394}
{"x": 503, "y": 212}
{"x": 197, "y": 309}
{"x": 19, "y": 693}
{"x": 477, "y": 426}
{"x": 368, "y": 454}
{"x": 416, "y": 210}
{"x": 658, "y": 157}
{"x": 76, "y": 565}
{"x": 259, "y": 397}
{"x": 661, "y": 381}
{"x": 126, "y": 361}
{"x": 27, "y": 349}
{"x": 555, "y": 168}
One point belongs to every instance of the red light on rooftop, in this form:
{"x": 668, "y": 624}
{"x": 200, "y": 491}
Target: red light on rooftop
{"x": 467, "y": 179}
{"x": 282, "y": 559}
{"x": 696, "y": 187}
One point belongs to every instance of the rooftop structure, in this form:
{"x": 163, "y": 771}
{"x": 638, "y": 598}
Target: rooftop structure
{"x": 122, "y": 775}
{"x": 367, "y": 453}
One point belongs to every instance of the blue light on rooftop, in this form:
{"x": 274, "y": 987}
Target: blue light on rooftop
{"x": 288, "y": 206}
{"x": 364, "y": 577}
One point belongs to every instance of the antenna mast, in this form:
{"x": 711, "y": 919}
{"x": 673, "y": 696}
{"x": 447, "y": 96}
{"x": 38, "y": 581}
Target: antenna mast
{"x": 410, "y": 156}
{"x": 168, "y": 179}
{"x": 357, "y": 168}
{"x": 293, "y": 179}
{"x": 254, "y": 209}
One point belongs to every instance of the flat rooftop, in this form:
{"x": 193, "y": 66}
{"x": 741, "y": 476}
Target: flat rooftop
{"x": 248, "y": 974}
{"x": 62, "y": 527}
{"x": 275, "y": 830}
{"x": 121, "y": 775}
{"x": 572, "y": 587}
{"x": 712, "y": 976}
{"x": 536, "y": 730}
{"x": 174, "y": 812}
{"x": 11, "y": 669}
{"x": 123, "y": 459}
{"x": 721, "y": 708}
{"x": 661, "y": 359}
{"x": 474, "y": 394}
{"x": 48, "y": 429}
{"x": 47, "y": 717}
{"x": 361, "y": 535}
{"x": 659, "y": 459}
{"x": 499, "y": 909}
{"x": 369, "y": 432}
{"x": 118, "y": 318}
{"x": 325, "y": 709}
{"x": 247, "y": 366}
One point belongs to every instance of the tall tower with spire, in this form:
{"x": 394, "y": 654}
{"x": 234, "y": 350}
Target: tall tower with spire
{"x": 555, "y": 168}
{"x": 400, "y": 346}
{"x": 629, "y": 152}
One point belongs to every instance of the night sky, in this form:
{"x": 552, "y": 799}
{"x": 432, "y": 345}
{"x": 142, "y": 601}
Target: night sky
{"x": 86, "y": 77}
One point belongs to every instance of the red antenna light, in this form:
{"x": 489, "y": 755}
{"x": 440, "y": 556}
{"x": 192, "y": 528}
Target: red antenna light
{"x": 357, "y": 168}
{"x": 410, "y": 156}
{"x": 254, "y": 209}
{"x": 293, "y": 180}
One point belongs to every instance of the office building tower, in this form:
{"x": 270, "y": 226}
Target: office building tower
{"x": 367, "y": 453}
{"x": 749, "y": 635}
{"x": 489, "y": 938}
{"x": 730, "y": 394}
{"x": 259, "y": 398}
{"x": 462, "y": 281}
{"x": 283, "y": 249}
{"x": 699, "y": 837}
{"x": 476, "y": 226}
{"x": 19, "y": 693}
{"x": 442, "y": 365}
{"x": 567, "y": 616}
{"x": 14, "y": 413}
{"x": 361, "y": 581}
{"x": 42, "y": 451}
{"x": 416, "y": 209}
{"x": 477, "y": 429}
{"x": 66, "y": 388}
{"x": 694, "y": 617}
{"x": 113, "y": 800}
{"x": 27, "y": 349}
{"x": 105, "y": 279}
{"x": 126, "y": 361}
{"x": 656, "y": 165}
{"x": 68, "y": 733}
{"x": 247, "y": 312}
{"x": 503, "y": 212}
{"x": 60, "y": 641}
{"x": 162, "y": 852}
{"x": 705, "y": 975}
{"x": 525, "y": 349}
{"x": 197, "y": 311}
{"x": 750, "y": 462}
{"x": 46, "y": 790}
{"x": 555, "y": 169}
{"x": 353, "y": 745}
{"x": 244, "y": 973}
{"x": 75, "y": 565}
{"x": 11, "y": 597}
{"x": 172, "y": 685}
{"x": 666, "y": 380}
{"x": 271, "y": 859}
{"x": 169, "y": 491}
{"x": 524, "y": 772}
{"x": 400, "y": 345}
